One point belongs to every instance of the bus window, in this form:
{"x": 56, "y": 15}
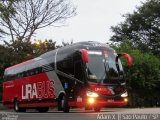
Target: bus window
{"x": 6, "y": 75}
{"x": 31, "y": 69}
{"x": 10, "y": 74}
{"x": 19, "y": 72}
{"x": 66, "y": 66}
{"x": 78, "y": 71}
{"x": 50, "y": 62}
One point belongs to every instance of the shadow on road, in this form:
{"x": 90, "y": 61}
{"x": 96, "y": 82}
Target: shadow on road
{"x": 75, "y": 111}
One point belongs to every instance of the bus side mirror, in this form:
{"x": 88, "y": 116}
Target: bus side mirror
{"x": 84, "y": 54}
{"x": 127, "y": 56}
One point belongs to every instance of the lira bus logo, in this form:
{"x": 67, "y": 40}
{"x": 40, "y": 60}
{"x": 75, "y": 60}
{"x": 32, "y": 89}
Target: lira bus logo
{"x": 43, "y": 89}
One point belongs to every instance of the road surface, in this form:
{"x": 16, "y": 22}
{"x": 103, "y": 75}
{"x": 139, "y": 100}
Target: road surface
{"x": 81, "y": 114}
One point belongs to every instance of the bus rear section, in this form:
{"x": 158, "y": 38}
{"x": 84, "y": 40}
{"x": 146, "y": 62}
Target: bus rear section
{"x": 27, "y": 85}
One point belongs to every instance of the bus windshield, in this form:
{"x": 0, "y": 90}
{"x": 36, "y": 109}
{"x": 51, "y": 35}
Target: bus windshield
{"x": 102, "y": 67}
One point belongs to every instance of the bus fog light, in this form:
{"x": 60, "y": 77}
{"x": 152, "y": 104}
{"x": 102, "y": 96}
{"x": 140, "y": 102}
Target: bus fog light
{"x": 92, "y": 94}
{"x": 124, "y": 94}
{"x": 91, "y": 100}
{"x": 125, "y": 100}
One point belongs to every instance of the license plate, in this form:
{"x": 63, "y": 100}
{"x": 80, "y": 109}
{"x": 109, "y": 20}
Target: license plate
{"x": 110, "y": 100}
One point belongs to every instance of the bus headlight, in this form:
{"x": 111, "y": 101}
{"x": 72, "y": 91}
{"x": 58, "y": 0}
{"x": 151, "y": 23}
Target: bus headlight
{"x": 124, "y": 94}
{"x": 92, "y": 94}
{"x": 125, "y": 100}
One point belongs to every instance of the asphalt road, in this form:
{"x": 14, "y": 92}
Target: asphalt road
{"x": 81, "y": 114}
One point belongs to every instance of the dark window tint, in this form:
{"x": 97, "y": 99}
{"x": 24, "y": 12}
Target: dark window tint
{"x": 66, "y": 66}
{"x": 47, "y": 64}
{"x": 78, "y": 71}
{"x": 20, "y": 72}
{"x": 32, "y": 68}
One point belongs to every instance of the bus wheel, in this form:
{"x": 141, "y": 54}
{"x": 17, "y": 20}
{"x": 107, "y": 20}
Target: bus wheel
{"x": 97, "y": 109}
{"x": 64, "y": 104}
{"x": 43, "y": 109}
{"x": 60, "y": 102}
{"x": 17, "y": 108}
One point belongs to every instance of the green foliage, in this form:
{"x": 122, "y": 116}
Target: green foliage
{"x": 143, "y": 79}
{"x": 43, "y": 47}
{"x": 142, "y": 32}
{"x": 141, "y": 28}
{"x": 6, "y": 11}
{"x": 6, "y": 58}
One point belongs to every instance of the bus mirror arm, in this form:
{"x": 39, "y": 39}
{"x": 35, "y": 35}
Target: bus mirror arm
{"x": 127, "y": 56}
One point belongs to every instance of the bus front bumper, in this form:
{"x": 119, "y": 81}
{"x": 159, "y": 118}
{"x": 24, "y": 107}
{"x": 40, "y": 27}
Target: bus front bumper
{"x": 107, "y": 103}
{"x": 92, "y": 102}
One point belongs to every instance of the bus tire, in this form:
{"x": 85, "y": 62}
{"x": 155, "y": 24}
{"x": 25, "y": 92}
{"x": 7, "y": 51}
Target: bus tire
{"x": 64, "y": 104}
{"x": 97, "y": 109}
{"x": 60, "y": 107}
{"x": 17, "y": 108}
{"x": 43, "y": 109}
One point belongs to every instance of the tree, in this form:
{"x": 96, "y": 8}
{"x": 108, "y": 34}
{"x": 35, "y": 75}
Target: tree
{"x": 40, "y": 47}
{"x": 141, "y": 27}
{"x": 21, "y": 18}
{"x": 28, "y": 50}
{"x": 143, "y": 79}
{"x": 6, "y": 58}
{"x": 6, "y": 11}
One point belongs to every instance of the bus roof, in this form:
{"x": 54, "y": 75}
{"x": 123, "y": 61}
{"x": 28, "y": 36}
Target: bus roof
{"x": 84, "y": 44}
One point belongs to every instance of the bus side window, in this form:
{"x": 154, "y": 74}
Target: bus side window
{"x": 50, "y": 62}
{"x": 44, "y": 66}
{"x": 28, "y": 70}
{"x": 11, "y": 74}
{"x": 66, "y": 66}
{"x": 53, "y": 65}
{"x": 36, "y": 70}
{"x": 32, "y": 68}
{"x": 18, "y": 72}
{"x": 78, "y": 72}
{"x": 23, "y": 73}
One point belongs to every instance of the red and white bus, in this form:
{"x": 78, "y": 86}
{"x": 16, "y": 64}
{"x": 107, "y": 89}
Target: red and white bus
{"x": 84, "y": 74}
